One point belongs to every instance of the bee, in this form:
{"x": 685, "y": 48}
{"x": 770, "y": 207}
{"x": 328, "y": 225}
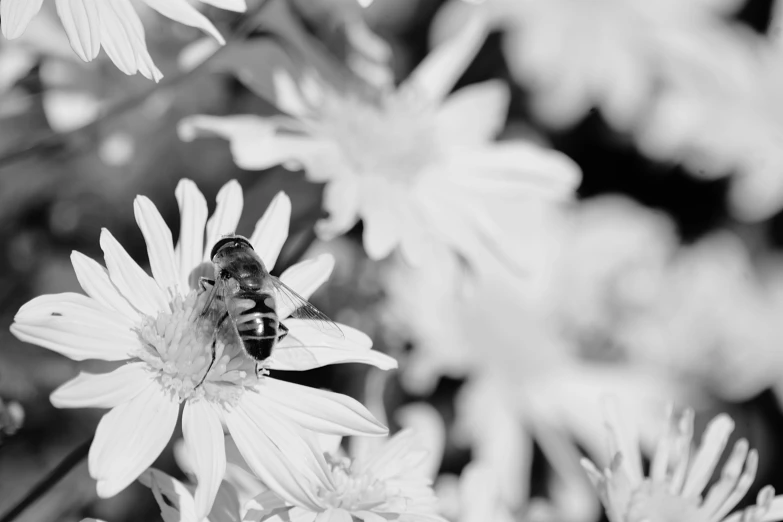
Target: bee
{"x": 244, "y": 297}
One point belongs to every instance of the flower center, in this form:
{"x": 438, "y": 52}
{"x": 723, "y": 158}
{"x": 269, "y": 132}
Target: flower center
{"x": 394, "y": 139}
{"x": 653, "y": 503}
{"x": 352, "y": 492}
{"x": 177, "y": 346}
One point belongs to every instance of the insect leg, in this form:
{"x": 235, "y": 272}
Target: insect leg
{"x": 203, "y": 281}
{"x": 212, "y": 346}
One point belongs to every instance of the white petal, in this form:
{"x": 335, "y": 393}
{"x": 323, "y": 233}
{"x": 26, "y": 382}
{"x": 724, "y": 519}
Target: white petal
{"x": 625, "y": 440}
{"x": 130, "y": 437}
{"x": 81, "y": 19}
{"x": 122, "y": 37}
{"x": 516, "y": 168}
{"x": 94, "y": 279}
{"x": 226, "y": 216}
{"x": 238, "y": 6}
{"x": 204, "y": 441}
{"x": 321, "y": 411}
{"x": 272, "y": 230}
{"x": 305, "y": 278}
{"x": 105, "y": 390}
{"x": 436, "y": 75}
{"x": 334, "y": 515}
{"x": 254, "y": 142}
{"x": 181, "y": 11}
{"x": 160, "y": 245}
{"x": 193, "y": 218}
{"x": 307, "y": 347}
{"x": 140, "y": 289}
{"x": 714, "y": 440}
{"x": 268, "y": 461}
{"x": 287, "y": 95}
{"x": 474, "y": 114}
{"x": 16, "y": 14}
{"x": 75, "y": 326}
{"x": 381, "y": 207}
{"x": 173, "y": 497}
{"x": 341, "y": 201}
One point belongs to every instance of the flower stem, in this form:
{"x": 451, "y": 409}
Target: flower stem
{"x": 45, "y": 484}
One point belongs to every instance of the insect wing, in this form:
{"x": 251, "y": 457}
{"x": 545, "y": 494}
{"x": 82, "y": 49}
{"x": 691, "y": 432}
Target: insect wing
{"x": 215, "y": 307}
{"x": 299, "y": 308}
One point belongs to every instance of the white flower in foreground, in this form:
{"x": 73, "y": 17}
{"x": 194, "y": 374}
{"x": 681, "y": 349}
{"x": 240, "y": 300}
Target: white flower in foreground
{"x": 151, "y": 323}
{"x": 416, "y": 165}
{"x": 678, "y": 476}
{"x": 387, "y": 484}
{"x": 113, "y": 25}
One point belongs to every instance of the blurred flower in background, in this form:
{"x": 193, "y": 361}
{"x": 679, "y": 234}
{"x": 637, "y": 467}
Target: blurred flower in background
{"x": 416, "y": 165}
{"x": 673, "y": 489}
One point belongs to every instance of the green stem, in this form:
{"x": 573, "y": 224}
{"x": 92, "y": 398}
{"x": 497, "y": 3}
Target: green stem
{"x": 62, "y": 469}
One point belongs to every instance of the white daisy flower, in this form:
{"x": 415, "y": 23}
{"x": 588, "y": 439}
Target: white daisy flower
{"x": 387, "y": 484}
{"x": 416, "y": 165}
{"x": 579, "y": 54}
{"x": 152, "y": 323}
{"x": 678, "y": 476}
{"x": 113, "y": 25}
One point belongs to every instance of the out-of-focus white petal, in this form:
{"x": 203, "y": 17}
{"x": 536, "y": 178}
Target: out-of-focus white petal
{"x": 173, "y": 497}
{"x": 140, "y": 289}
{"x": 193, "y": 218}
{"x": 381, "y": 210}
{"x": 517, "y": 167}
{"x": 105, "y": 390}
{"x": 436, "y": 75}
{"x": 226, "y": 216}
{"x": 425, "y": 421}
{"x": 204, "y": 441}
{"x": 160, "y": 245}
{"x": 81, "y": 19}
{"x": 287, "y": 95}
{"x": 75, "y": 326}
{"x": 307, "y": 347}
{"x": 196, "y": 53}
{"x": 94, "y": 280}
{"x": 268, "y": 461}
{"x": 181, "y": 11}
{"x": 473, "y": 115}
{"x": 341, "y": 200}
{"x": 130, "y": 437}
{"x": 336, "y": 515}
{"x": 16, "y": 14}
{"x": 320, "y": 410}
{"x": 625, "y": 440}
{"x": 305, "y": 278}
{"x": 271, "y": 230}
{"x": 254, "y": 142}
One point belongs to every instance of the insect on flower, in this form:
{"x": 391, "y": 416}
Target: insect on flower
{"x": 243, "y": 297}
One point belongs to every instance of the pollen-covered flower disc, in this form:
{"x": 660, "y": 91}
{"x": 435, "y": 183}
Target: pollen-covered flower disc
{"x": 674, "y": 491}
{"x": 416, "y": 165}
{"x": 153, "y": 324}
{"x": 113, "y": 25}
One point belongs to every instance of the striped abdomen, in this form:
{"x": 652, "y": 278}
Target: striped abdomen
{"x": 259, "y": 327}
